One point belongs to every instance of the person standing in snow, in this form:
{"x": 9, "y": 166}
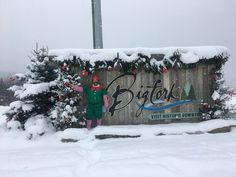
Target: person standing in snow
{"x": 97, "y": 97}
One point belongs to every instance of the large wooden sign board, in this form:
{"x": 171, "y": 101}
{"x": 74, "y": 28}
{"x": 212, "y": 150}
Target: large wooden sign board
{"x": 135, "y": 97}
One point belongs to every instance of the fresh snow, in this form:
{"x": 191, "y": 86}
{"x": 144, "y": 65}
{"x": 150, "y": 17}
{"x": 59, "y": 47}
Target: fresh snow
{"x": 3, "y": 109}
{"x": 215, "y": 95}
{"x": 168, "y": 129}
{"x": 13, "y": 125}
{"x": 189, "y": 57}
{"x": 37, "y": 126}
{"x": 74, "y": 134}
{"x": 34, "y": 89}
{"x": 233, "y": 100}
{"x": 147, "y": 130}
{"x": 188, "y": 54}
{"x": 169, "y": 156}
{"x": 176, "y": 154}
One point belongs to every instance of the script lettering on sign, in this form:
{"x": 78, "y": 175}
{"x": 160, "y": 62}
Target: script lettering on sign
{"x": 157, "y": 95}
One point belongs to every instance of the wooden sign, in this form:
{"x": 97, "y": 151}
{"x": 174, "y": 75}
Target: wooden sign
{"x": 134, "y": 97}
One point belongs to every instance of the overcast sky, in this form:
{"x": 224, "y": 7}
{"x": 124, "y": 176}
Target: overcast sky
{"x": 126, "y": 23}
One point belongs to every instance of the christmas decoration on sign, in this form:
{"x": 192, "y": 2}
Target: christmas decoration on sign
{"x": 165, "y": 70}
{"x": 109, "y": 68}
{"x": 84, "y": 73}
{"x": 64, "y": 67}
{"x": 132, "y": 63}
{"x": 135, "y": 72}
{"x": 213, "y": 77}
{"x": 144, "y": 63}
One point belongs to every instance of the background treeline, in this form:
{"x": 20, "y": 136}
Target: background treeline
{"x": 6, "y": 96}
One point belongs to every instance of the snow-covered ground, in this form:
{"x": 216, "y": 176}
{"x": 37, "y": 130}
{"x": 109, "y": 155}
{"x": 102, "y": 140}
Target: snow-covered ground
{"x": 182, "y": 155}
{"x": 2, "y": 118}
{"x": 170, "y": 156}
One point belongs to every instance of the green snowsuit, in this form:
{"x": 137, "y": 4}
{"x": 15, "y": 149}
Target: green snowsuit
{"x": 95, "y": 102}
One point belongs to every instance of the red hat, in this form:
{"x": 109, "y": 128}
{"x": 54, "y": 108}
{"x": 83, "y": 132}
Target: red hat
{"x": 95, "y": 78}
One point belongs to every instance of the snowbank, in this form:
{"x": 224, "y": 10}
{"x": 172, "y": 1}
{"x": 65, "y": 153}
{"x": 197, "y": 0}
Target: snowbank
{"x": 73, "y": 134}
{"x": 146, "y": 130}
{"x": 37, "y": 126}
{"x": 3, "y": 117}
{"x": 3, "y": 109}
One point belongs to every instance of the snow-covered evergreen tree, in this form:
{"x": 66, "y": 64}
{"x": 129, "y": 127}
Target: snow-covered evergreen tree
{"x": 67, "y": 112}
{"x": 44, "y": 95}
{"x": 34, "y": 96}
{"x": 220, "y": 97}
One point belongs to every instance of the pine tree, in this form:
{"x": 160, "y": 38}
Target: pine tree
{"x": 188, "y": 93}
{"x": 220, "y": 97}
{"x": 6, "y": 96}
{"x": 183, "y": 95}
{"x": 67, "y": 112}
{"x": 220, "y": 108}
{"x": 191, "y": 95}
{"x": 34, "y": 96}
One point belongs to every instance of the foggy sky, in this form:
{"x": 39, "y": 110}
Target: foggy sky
{"x": 126, "y": 23}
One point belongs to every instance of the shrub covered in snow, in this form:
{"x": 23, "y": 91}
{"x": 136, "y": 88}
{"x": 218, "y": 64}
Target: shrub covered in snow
{"x": 14, "y": 125}
{"x": 37, "y": 126}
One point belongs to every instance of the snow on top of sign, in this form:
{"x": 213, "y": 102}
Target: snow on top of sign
{"x": 188, "y": 54}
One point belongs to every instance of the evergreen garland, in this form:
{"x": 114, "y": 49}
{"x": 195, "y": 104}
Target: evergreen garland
{"x": 144, "y": 63}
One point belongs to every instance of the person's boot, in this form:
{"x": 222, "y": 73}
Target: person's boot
{"x": 89, "y": 124}
{"x": 99, "y": 122}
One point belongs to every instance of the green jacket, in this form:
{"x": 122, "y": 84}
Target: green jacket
{"x": 94, "y": 96}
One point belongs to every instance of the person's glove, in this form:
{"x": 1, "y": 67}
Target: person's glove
{"x": 105, "y": 109}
